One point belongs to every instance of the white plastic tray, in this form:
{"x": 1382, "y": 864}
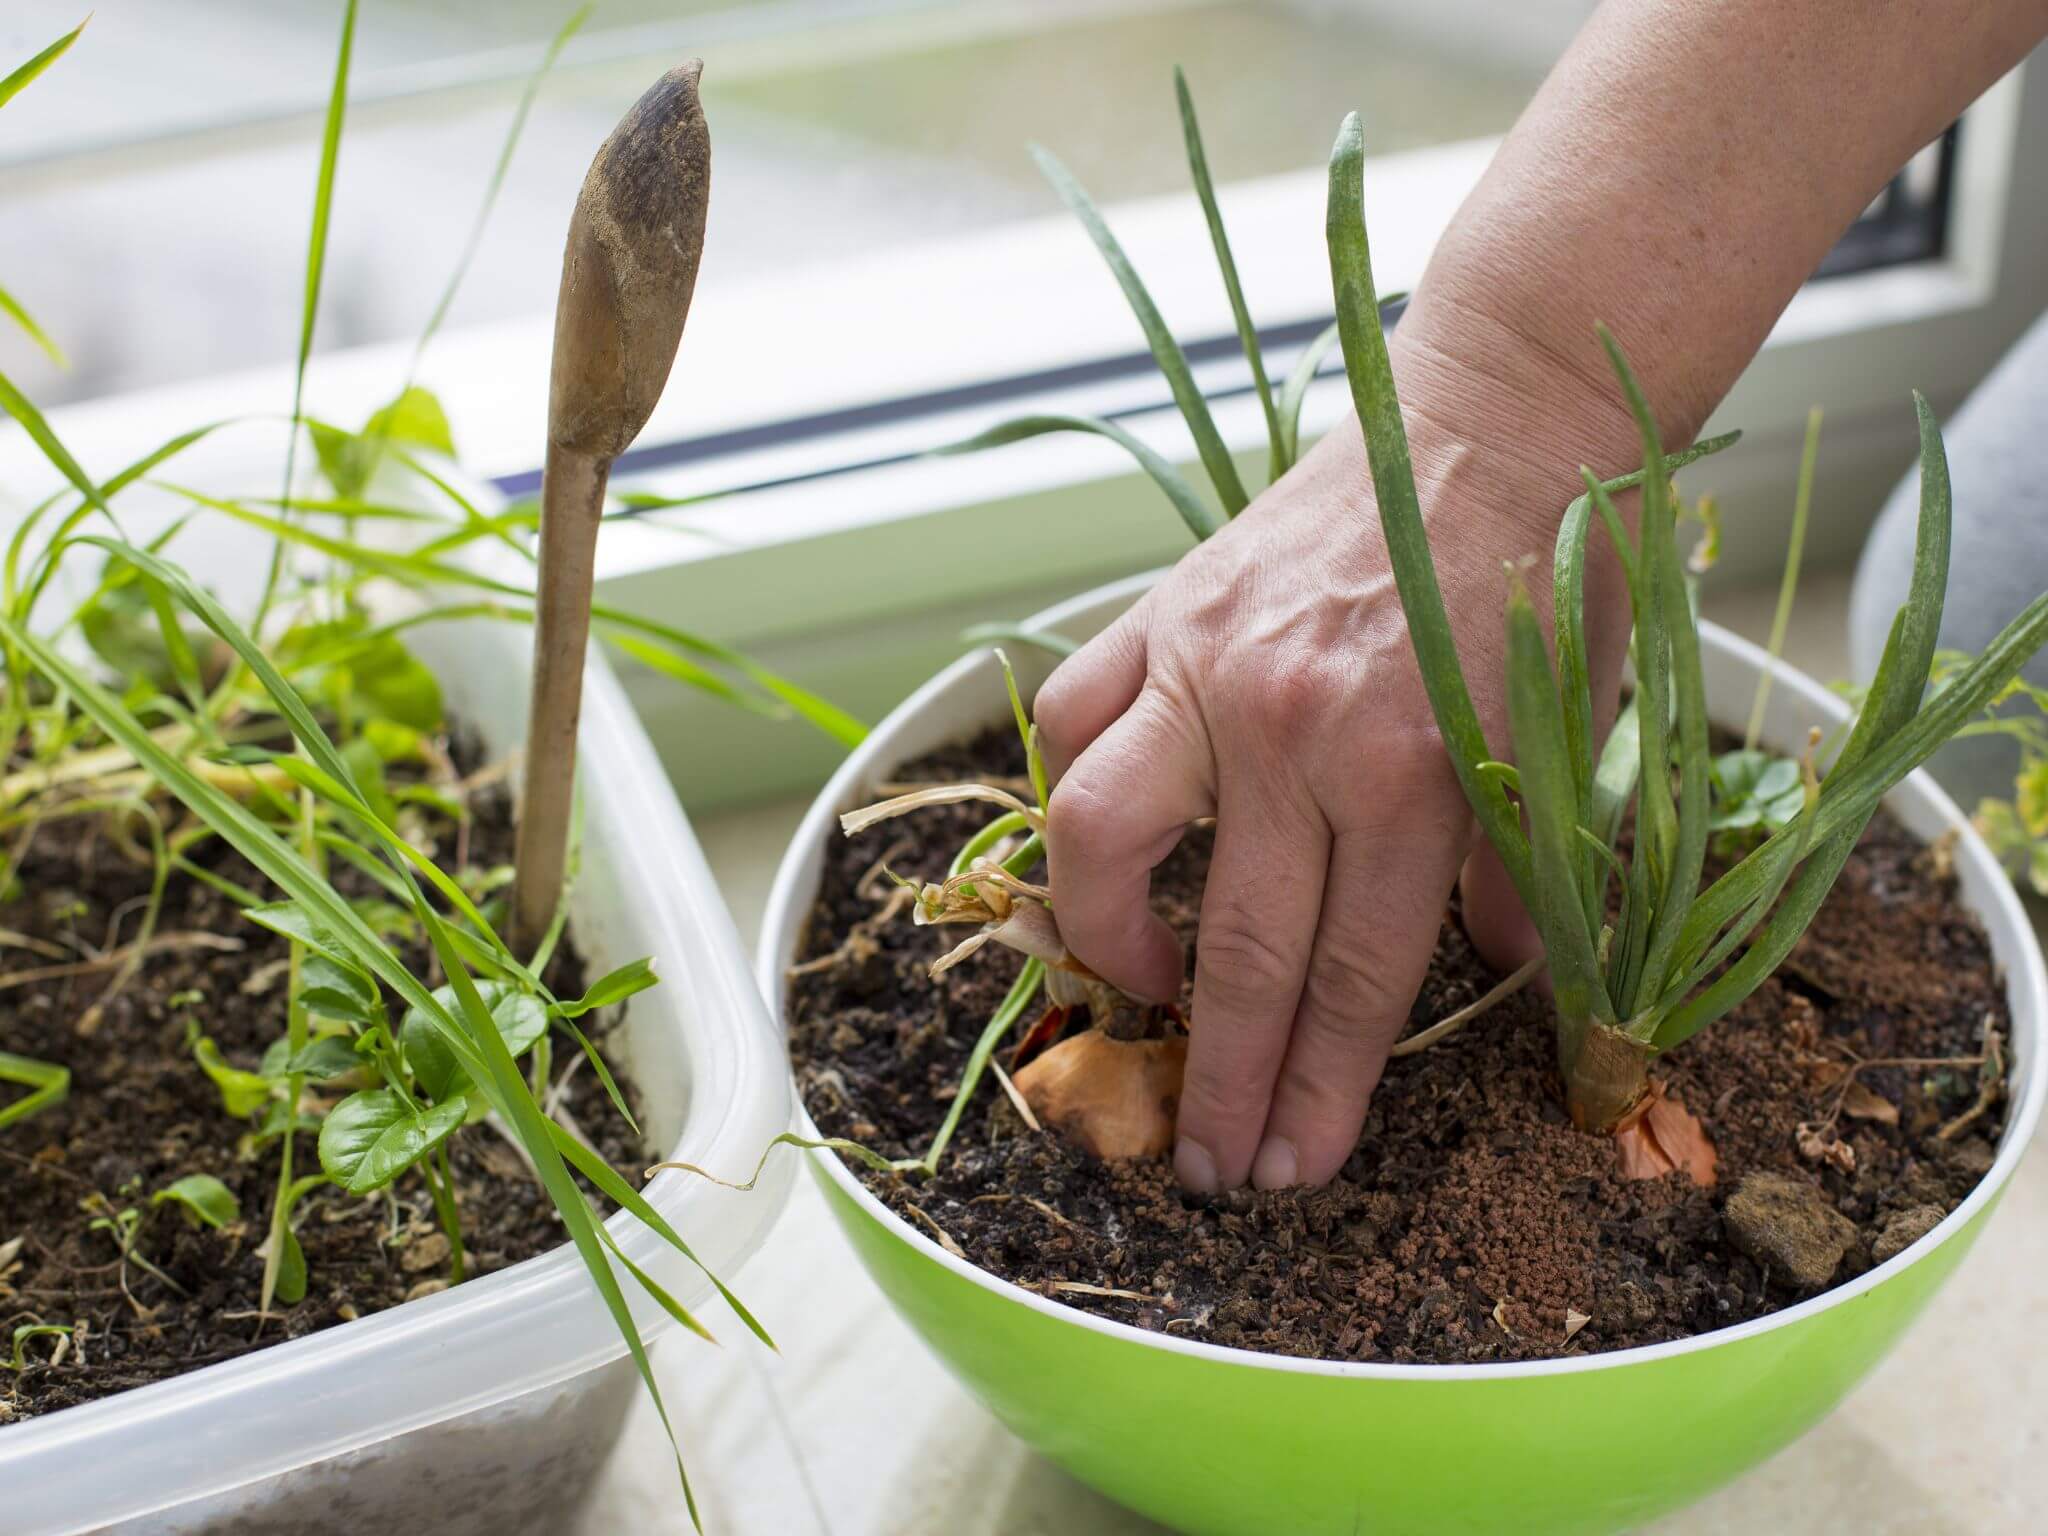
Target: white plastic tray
{"x": 490, "y": 1407}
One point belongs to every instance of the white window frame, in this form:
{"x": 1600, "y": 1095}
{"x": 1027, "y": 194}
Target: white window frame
{"x": 858, "y": 582}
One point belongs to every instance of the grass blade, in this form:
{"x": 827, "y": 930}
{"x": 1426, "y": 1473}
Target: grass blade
{"x": 1887, "y": 718}
{"x": 1669, "y": 644}
{"x": 1165, "y": 350}
{"x": 1599, "y": 812}
{"x": 628, "y": 1199}
{"x": 1788, "y": 585}
{"x": 1248, "y": 337}
{"x": 23, "y": 410}
{"x": 419, "y": 571}
{"x": 13, "y": 84}
{"x": 1657, "y": 832}
{"x": 1201, "y": 519}
{"x": 46, "y": 1082}
{"x": 1550, "y": 796}
{"x": 1575, "y": 684}
{"x": 11, "y": 306}
{"x": 1393, "y": 477}
{"x": 1000, "y": 1023}
{"x": 471, "y": 245}
{"x": 1295, "y": 391}
{"x": 316, "y": 267}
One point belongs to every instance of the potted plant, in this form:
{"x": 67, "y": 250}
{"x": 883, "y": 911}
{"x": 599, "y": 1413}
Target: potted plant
{"x": 307, "y": 1078}
{"x": 1556, "y": 1233}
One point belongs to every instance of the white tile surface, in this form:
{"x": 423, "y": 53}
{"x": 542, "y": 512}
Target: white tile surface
{"x": 855, "y": 1431}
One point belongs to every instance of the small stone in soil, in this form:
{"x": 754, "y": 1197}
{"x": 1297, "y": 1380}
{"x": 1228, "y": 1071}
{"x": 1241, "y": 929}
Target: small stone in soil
{"x": 1788, "y": 1224}
{"x": 1904, "y": 1230}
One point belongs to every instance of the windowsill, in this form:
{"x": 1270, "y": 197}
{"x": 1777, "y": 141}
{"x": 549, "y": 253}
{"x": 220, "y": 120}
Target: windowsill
{"x": 857, "y": 584}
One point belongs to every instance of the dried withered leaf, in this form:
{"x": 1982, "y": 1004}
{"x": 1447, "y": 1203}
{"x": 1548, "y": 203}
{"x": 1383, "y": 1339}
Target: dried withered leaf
{"x": 1574, "y": 1320}
{"x": 1500, "y": 1316}
{"x": 1818, "y": 1147}
{"x": 1825, "y": 1071}
{"x": 1663, "y": 1136}
{"x": 1862, "y": 1102}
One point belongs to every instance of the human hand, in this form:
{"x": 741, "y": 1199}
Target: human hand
{"x": 1268, "y": 681}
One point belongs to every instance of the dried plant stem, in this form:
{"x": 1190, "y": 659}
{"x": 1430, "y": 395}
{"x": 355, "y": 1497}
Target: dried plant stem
{"x": 162, "y": 943}
{"x": 1507, "y": 987}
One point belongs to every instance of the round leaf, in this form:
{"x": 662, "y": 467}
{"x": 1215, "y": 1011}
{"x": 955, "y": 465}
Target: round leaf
{"x": 370, "y": 1138}
{"x": 204, "y": 1199}
{"x": 521, "y": 1019}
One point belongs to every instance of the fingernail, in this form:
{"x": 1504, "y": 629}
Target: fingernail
{"x": 1194, "y": 1167}
{"x": 1276, "y": 1166}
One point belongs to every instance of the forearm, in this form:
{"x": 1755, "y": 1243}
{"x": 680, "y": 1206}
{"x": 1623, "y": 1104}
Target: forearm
{"x": 1678, "y": 176}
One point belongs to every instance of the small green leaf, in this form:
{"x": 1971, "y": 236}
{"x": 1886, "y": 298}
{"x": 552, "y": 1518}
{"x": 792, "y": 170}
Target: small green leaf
{"x": 120, "y": 622}
{"x": 47, "y": 1084}
{"x": 635, "y": 976}
{"x": 369, "y": 671}
{"x": 328, "y": 1057}
{"x": 241, "y": 1093}
{"x": 291, "y": 1271}
{"x": 336, "y": 991}
{"x": 521, "y": 1019}
{"x": 206, "y": 1201}
{"x": 1755, "y": 789}
{"x": 290, "y": 919}
{"x": 416, "y": 417}
{"x": 370, "y": 1138}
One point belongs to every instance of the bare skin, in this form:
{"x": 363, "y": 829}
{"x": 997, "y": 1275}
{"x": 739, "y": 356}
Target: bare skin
{"x": 1683, "y": 169}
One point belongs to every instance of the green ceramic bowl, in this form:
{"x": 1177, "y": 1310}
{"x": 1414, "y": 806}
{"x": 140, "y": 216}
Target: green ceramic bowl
{"x": 1229, "y": 1443}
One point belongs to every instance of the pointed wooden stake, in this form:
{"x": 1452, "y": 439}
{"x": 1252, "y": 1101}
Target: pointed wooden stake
{"x": 627, "y": 274}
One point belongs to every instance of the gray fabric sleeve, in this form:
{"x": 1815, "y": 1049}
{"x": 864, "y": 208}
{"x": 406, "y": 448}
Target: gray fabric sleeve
{"x": 1998, "y": 563}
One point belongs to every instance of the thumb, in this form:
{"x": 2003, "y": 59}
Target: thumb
{"x": 1499, "y": 928}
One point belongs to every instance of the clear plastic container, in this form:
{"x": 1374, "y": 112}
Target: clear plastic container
{"x": 488, "y": 1408}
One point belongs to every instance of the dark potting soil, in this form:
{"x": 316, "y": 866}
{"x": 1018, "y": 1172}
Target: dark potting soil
{"x": 1472, "y": 1223}
{"x": 142, "y": 1114}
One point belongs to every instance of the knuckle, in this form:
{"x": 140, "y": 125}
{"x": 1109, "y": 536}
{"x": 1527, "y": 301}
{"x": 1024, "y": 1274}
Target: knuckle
{"x": 1242, "y": 963}
{"x": 1293, "y": 697}
{"x": 1222, "y": 1103}
{"x": 1350, "y": 995}
{"x": 1417, "y": 752}
{"x": 1079, "y": 818}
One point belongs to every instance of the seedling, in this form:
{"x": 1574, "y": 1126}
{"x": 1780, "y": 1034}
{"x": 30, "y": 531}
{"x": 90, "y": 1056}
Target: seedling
{"x": 309, "y": 740}
{"x": 123, "y": 1226}
{"x": 67, "y": 1340}
{"x": 46, "y": 1082}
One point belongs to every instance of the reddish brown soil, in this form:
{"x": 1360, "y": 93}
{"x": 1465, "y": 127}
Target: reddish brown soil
{"x": 141, "y": 1114}
{"x": 1471, "y": 1223}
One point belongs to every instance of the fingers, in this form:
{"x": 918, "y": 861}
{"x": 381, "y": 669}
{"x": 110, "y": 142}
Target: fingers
{"x": 1500, "y": 928}
{"x": 1258, "y": 919}
{"x": 1114, "y": 815}
{"x": 1089, "y": 690}
{"x": 1382, "y": 908}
